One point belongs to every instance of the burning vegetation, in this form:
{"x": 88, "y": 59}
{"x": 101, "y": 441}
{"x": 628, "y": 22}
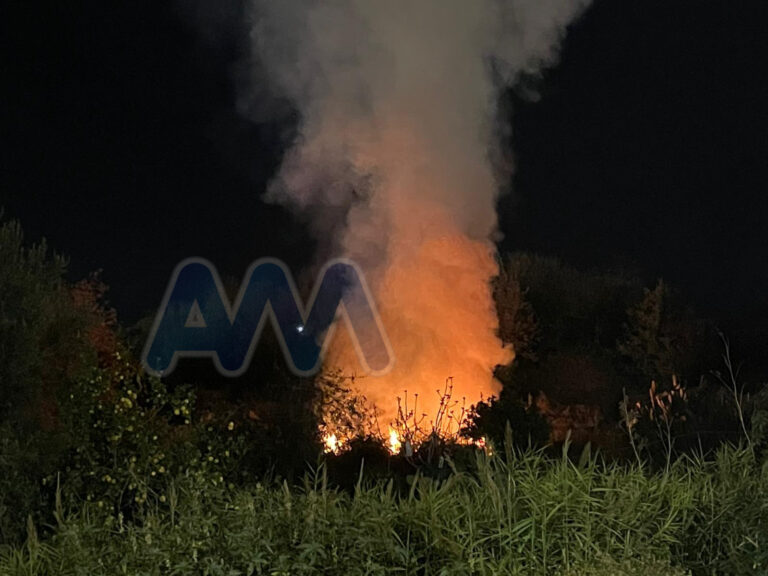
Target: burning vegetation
{"x": 396, "y": 164}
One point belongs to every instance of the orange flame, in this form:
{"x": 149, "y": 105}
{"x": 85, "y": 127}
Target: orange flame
{"x": 331, "y": 444}
{"x": 394, "y": 441}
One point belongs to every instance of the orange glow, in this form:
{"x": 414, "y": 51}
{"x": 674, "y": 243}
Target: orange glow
{"x": 395, "y": 166}
{"x": 437, "y": 309}
{"x": 424, "y": 243}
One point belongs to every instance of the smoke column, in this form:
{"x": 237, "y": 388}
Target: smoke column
{"x": 393, "y": 166}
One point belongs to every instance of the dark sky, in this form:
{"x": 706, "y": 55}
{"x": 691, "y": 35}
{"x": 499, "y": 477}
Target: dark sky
{"x": 646, "y": 148}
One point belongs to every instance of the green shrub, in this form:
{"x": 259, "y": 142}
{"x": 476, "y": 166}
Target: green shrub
{"x": 43, "y": 346}
{"x": 127, "y": 433}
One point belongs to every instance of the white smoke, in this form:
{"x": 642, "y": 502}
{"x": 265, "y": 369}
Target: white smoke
{"x": 397, "y": 108}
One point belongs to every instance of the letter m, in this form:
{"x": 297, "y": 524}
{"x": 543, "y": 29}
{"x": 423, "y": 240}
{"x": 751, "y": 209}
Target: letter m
{"x": 196, "y": 319}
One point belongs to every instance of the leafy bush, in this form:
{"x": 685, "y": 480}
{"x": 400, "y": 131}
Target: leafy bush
{"x": 499, "y": 419}
{"x": 662, "y": 338}
{"x": 119, "y": 426}
{"x": 23, "y": 464}
{"x": 42, "y": 341}
{"x": 43, "y": 347}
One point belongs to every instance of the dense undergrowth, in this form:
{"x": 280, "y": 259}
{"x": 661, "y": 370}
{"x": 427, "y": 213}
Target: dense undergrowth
{"x": 519, "y": 513}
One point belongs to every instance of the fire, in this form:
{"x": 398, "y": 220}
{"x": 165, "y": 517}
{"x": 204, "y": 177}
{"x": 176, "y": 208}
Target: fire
{"x": 331, "y": 444}
{"x": 482, "y": 444}
{"x": 424, "y": 243}
{"x": 394, "y": 441}
{"x": 397, "y": 168}
{"x": 436, "y": 306}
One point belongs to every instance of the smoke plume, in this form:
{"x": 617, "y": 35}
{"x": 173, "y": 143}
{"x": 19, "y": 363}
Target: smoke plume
{"x": 392, "y": 163}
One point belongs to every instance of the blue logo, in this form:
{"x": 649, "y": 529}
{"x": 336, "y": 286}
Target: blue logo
{"x": 196, "y": 319}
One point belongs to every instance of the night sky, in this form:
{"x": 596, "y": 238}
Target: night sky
{"x": 644, "y": 149}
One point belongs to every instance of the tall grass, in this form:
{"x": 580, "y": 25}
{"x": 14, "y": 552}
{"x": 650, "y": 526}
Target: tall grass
{"x": 523, "y": 514}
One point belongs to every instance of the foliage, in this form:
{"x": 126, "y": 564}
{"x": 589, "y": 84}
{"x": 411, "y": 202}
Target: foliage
{"x": 644, "y": 341}
{"x": 607, "y": 566}
{"x": 572, "y": 320}
{"x": 126, "y": 432}
{"x": 661, "y": 337}
{"x": 341, "y": 411}
{"x": 44, "y": 347}
{"x": 517, "y": 321}
{"x": 759, "y": 419}
{"x": 24, "y": 460}
{"x": 574, "y": 309}
{"x": 491, "y": 420}
{"x": 588, "y": 337}
{"x": 78, "y": 413}
{"x": 41, "y": 340}
{"x": 654, "y": 423}
{"x": 524, "y": 514}
{"x": 432, "y": 432}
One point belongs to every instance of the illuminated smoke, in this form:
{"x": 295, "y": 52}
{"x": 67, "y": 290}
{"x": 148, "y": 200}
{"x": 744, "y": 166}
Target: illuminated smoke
{"x": 393, "y": 162}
